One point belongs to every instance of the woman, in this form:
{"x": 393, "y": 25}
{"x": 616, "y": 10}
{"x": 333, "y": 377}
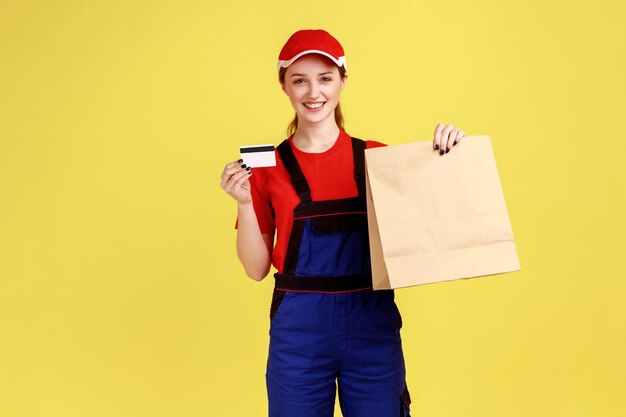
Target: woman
{"x": 327, "y": 325}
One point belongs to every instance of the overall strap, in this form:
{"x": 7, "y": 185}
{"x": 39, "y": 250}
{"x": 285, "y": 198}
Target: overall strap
{"x": 295, "y": 172}
{"x": 358, "y": 152}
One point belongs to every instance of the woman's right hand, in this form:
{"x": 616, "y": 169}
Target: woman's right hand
{"x": 235, "y": 181}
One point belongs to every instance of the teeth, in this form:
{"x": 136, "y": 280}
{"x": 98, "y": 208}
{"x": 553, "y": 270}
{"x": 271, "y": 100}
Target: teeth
{"x": 314, "y": 105}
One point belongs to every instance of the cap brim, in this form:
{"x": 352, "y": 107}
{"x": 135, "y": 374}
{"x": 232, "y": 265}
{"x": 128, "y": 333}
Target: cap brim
{"x": 341, "y": 61}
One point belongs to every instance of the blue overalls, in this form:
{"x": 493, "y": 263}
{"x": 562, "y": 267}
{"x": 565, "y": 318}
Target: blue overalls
{"x": 327, "y": 323}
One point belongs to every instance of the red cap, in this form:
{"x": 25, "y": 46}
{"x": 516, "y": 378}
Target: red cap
{"x": 311, "y": 41}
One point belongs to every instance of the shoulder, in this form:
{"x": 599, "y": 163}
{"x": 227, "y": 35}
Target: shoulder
{"x": 373, "y": 144}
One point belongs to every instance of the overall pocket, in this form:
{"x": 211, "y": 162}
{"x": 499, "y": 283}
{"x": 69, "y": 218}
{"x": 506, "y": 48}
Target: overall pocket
{"x": 334, "y": 245}
{"x": 278, "y": 299}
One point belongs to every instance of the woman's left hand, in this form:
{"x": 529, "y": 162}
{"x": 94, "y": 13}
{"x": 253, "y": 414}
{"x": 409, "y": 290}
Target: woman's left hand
{"x": 445, "y": 137}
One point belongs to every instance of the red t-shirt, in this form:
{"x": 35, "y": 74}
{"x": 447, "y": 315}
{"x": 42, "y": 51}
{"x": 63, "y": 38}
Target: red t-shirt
{"x": 330, "y": 175}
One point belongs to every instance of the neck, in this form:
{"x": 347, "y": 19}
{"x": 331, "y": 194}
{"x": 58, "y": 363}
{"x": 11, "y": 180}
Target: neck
{"x": 316, "y": 138}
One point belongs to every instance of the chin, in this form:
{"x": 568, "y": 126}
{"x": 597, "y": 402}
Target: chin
{"x": 315, "y": 118}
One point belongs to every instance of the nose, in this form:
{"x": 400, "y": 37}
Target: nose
{"x": 314, "y": 90}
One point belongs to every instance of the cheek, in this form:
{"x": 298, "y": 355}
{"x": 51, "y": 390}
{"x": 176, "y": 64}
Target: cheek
{"x": 291, "y": 94}
{"x": 294, "y": 99}
{"x": 336, "y": 91}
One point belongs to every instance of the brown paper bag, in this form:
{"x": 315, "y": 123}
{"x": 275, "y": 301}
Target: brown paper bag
{"x": 436, "y": 217}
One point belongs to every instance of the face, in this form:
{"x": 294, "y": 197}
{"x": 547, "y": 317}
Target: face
{"x": 313, "y": 84}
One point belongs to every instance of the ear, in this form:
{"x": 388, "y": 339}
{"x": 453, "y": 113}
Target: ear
{"x": 344, "y": 81}
{"x": 282, "y": 86}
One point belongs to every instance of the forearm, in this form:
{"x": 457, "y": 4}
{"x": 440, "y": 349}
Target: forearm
{"x": 253, "y": 250}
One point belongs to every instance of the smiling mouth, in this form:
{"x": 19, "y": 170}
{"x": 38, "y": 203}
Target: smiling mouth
{"x": 314, "y": 106}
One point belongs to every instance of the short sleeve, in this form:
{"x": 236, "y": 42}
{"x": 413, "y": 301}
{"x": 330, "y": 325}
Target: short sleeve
{"x": 261, "y": 203}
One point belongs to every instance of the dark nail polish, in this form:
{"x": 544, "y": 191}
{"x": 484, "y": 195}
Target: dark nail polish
{"x": 249, "y": 169}
{"x": 243, "y": 165}
{"x": 454, "y": 143}
{"x": 250, "y": 172}
{"x": 240, "y": 161}
{"x": 441, "y": 152}
{"x": 447, "y": 150}
{"x": 436, "y": 147}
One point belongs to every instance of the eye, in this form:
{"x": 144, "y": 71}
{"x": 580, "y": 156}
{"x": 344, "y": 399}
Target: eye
{"x": 299, "y": 81}
{"x": 327, "y": 78}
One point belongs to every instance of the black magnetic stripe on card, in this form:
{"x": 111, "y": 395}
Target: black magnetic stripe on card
{"x": 257, "y": 149}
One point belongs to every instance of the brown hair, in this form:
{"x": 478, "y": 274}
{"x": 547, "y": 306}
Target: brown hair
{"x": 291, "y": 129}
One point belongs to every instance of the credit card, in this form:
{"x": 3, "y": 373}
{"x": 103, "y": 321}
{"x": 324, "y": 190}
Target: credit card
{"x": 258, "y": 156}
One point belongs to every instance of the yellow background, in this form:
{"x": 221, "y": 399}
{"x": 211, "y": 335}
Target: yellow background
{"x": 121, "y": 293}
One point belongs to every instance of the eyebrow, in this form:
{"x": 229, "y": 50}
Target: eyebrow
{"x": 303, "y": 75}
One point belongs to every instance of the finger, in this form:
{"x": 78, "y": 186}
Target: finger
{"x": 437, "y": 136}
{"x": 243, "y": 180}
{"x": 232, "y": 181}
{"x": 460, "y": 136}
{"x": 228, "y": 174}
{"x": 233, "y": 164}
{"x": 451, "y": 139}
{"x": 231, "y": 169}
{"x": 443, "y": 146}
{"x": 242, "y": 183}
